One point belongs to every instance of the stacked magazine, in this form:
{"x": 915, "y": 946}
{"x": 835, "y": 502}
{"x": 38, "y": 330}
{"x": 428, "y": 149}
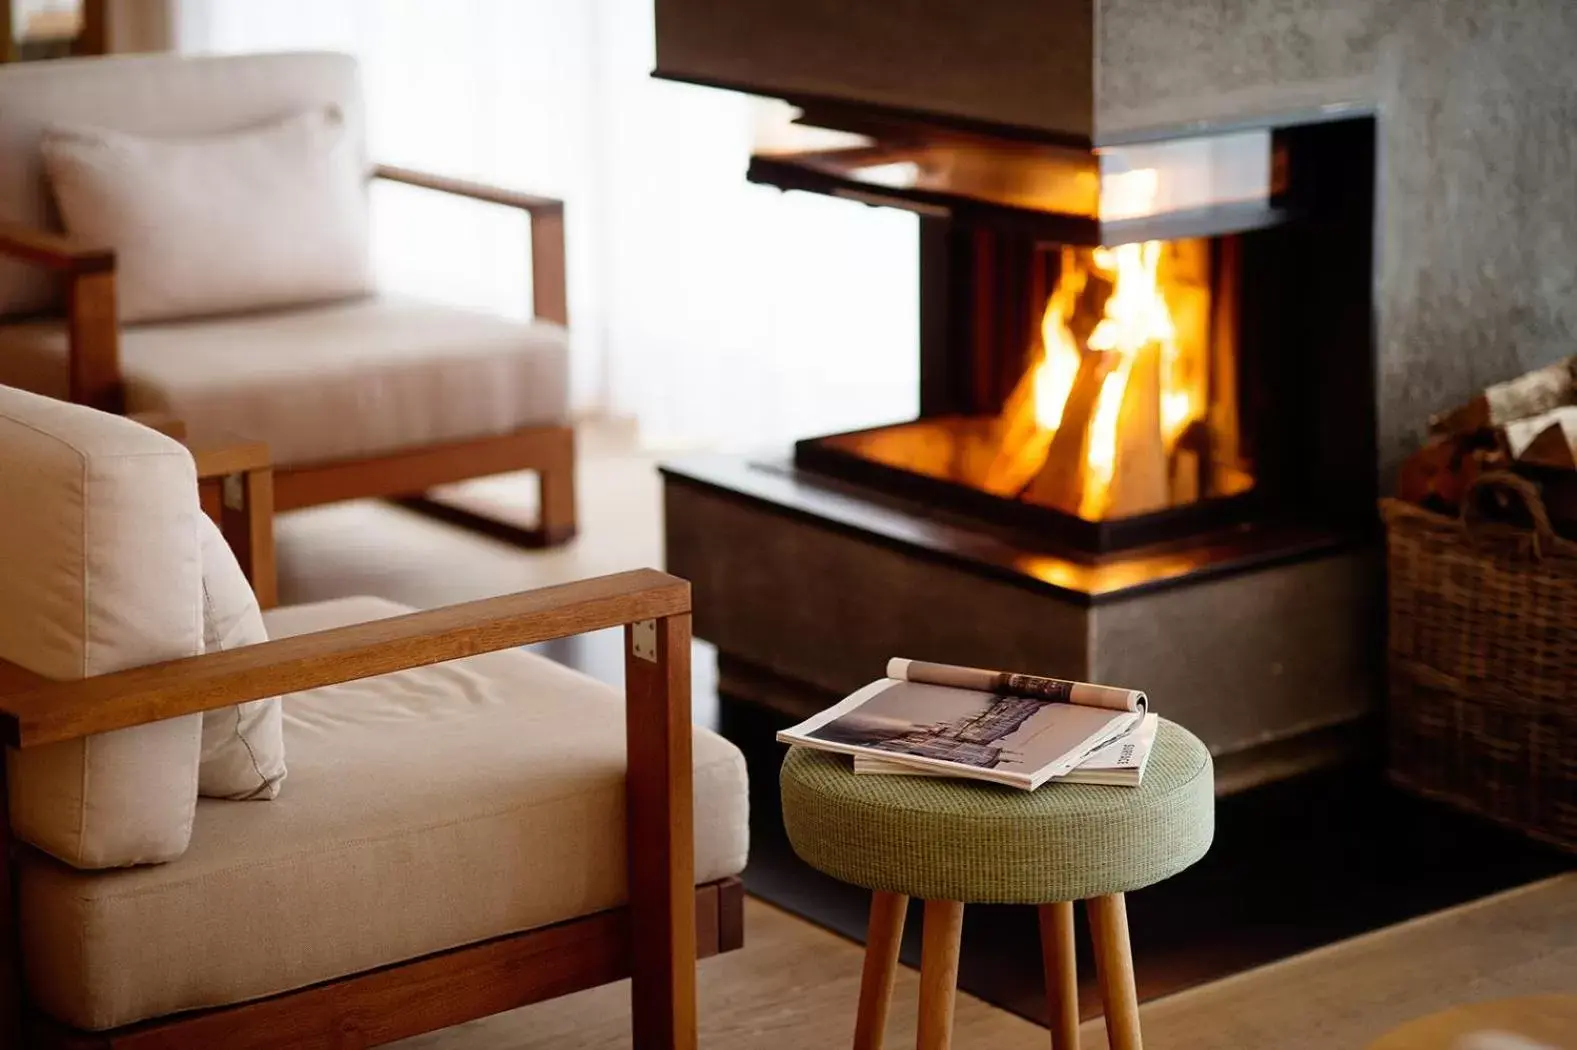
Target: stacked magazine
{"x": 927, "y": 719}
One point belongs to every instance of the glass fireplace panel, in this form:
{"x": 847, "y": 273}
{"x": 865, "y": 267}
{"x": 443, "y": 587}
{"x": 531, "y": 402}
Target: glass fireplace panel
{"x": 1119, "y": 419}
{"x": 1127, "y": 405}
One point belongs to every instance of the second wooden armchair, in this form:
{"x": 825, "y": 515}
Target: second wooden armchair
{"x": 356, "y": 393}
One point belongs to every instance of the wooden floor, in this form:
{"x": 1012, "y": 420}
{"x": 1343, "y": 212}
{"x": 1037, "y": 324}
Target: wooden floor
{"x": 792, "y": 987}
{"x": 1500, "y": 950}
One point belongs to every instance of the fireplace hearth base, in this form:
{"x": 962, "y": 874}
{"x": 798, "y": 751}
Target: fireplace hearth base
{"x": 1263, "y": 641}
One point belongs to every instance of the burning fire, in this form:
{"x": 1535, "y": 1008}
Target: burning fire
{"x": 1136, "y": 320}
{"x": 1110, "y": 408}
{"x": 1129, "y": 402}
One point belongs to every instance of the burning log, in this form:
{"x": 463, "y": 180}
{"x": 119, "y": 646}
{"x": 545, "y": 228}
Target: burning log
{"x": 1117, "y": 377}
{"x": 1062, "y": 477}
{"x": 1191, "y": 464}
{"x": 1022, "y": 445}
{"x": 1139, "y": 482}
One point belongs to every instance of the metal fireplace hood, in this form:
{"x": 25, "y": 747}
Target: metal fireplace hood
{"x": 961, "y": 111}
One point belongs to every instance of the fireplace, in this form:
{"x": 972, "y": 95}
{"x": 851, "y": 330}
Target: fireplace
{"x": 1117, "y": 421}
{"x": 1115, "y": 363}
{"x": 1145, "y": 447}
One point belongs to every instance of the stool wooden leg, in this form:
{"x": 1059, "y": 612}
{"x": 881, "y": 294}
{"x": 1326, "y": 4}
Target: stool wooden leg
{"x": 1062, "y": 973}
{"x": 1114, "y": 967}
{"x": 944, "y": 926}
{"x": 883, "y": 937}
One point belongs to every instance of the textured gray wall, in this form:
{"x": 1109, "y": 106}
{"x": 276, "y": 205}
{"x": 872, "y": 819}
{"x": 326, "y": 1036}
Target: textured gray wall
{"x": 1478, "y": 158}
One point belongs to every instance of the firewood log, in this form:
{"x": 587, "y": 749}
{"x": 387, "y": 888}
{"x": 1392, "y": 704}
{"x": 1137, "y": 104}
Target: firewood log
{"x": 1438, "y": 475}
{"x": 1139, "y": 476}
{"x": 1061, "y": 479}
{"x": 1536, "y": 392}
{"x": 1022, "y": 444}
{"x": 1545, "y": 440}
{"x": 1192, "y": 464}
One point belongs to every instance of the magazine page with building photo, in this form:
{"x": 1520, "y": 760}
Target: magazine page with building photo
{"x": 1120, "y": 763}
{"x": 1021, "y": 730}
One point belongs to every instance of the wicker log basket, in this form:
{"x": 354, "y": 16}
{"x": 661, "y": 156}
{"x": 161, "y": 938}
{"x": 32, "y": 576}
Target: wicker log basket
{"x": 1483, "y": 657}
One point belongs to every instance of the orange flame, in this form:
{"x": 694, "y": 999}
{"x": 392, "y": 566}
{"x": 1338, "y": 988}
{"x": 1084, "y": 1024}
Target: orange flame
{"x": 1135, "y": 316}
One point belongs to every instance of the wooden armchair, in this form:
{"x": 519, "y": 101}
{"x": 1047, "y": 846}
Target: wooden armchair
{"x": 284, "y": 923}
{"x": 374, "y": 395}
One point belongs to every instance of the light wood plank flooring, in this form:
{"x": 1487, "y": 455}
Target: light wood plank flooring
{"x": 793, "y": 986}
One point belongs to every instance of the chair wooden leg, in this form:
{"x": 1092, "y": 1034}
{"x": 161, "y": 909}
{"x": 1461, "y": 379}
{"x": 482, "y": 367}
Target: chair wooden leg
{"x": 1114, "y": 967}
{"x": 883, "y": 937}
{"x": 556, "y": 496}
{"x": 944, "y": 926}
{"x": 659, "y": 820}
{"x": 1062, "y": 974}
{"x": 247, "y": 521}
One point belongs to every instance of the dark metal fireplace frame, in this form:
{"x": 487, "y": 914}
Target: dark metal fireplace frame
{"x": 824, "y": 455}
{"x": 1300, "y": 279}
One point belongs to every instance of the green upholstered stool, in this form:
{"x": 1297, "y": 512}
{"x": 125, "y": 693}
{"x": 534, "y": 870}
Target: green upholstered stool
{"x": 952, "y": 842}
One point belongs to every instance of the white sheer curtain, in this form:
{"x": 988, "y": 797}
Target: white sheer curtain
{"x": 716, "y": 312}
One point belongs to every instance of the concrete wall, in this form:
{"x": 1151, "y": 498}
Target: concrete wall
{"x": 1478, "y": 188}
{"x": 910, "y": 54}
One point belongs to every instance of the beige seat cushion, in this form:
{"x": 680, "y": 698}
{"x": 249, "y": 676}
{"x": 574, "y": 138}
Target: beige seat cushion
{"x": 426, "y": 810}
{"x": 322, "y": 383}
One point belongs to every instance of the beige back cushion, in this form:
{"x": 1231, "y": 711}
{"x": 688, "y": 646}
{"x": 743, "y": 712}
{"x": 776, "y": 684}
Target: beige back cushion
{"x": 100, "y": 570}
{"x": 275, "y": 215}
{"x": 154, "y": 95}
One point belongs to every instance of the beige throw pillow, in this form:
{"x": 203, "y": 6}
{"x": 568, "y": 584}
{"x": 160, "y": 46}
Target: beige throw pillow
{"x": 243, "y": 746}
{"x": 270, "y": 216}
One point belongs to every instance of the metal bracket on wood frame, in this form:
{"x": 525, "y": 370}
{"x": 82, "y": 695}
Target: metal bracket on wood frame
{"x": 643, "y": 639}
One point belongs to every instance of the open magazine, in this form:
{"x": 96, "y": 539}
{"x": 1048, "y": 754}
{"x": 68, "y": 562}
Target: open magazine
{"x": 1120, "y": 763}
{"x": 1013, "y": 729}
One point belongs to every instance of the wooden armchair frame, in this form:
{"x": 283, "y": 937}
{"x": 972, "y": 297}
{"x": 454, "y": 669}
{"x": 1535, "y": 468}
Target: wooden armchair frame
{"x": 668, "y": 923}
{"x": 93, "y": 355}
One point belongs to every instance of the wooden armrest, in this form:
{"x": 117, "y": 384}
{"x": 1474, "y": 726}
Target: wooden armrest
{"x": 480, "y": 191}
{"x": 217, "y": 454}
{"x": 14, "y": 679}
{"x": 93, "y": 354}
{"x": 67, "y": 710}
{"x": 55, "y": 251}
{"x": 163, "y": 422}
{"x": 549, "y": 293}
